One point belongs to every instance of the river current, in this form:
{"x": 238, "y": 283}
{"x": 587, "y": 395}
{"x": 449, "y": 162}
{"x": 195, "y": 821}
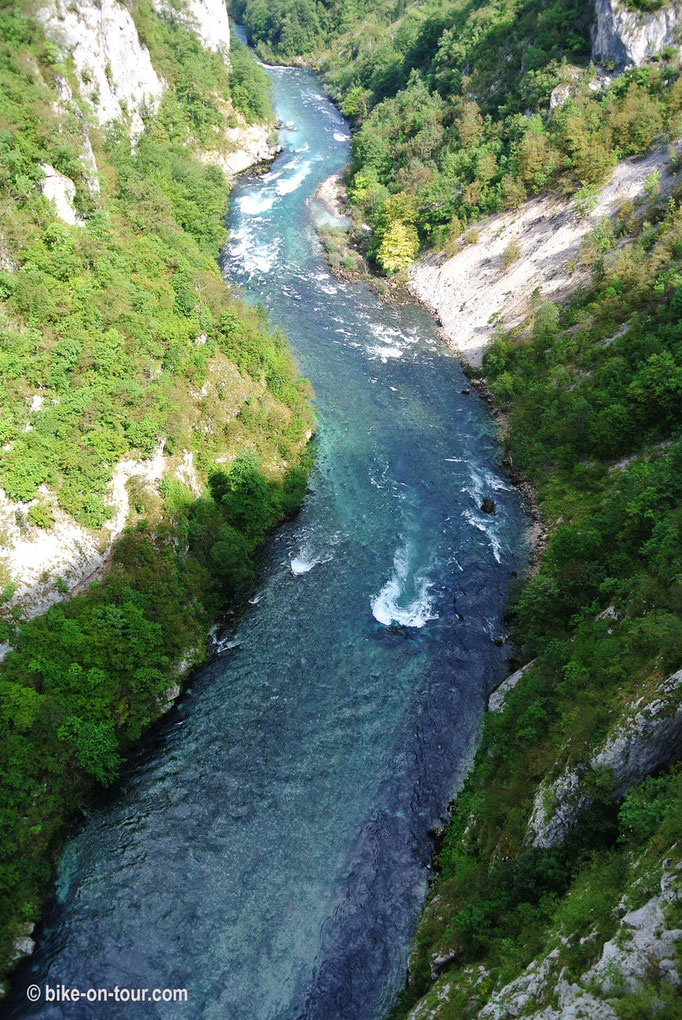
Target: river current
{"x": 268, "y": 848}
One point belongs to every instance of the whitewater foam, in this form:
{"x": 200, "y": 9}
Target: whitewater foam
{"x": 305, "y": 560}
{"x": 289, "y": 184}
{"x": 385, "y": 353}
{"x": 252, "y": 206}
{"x": 227, "y": 645}
{"x": 391, "y": 607}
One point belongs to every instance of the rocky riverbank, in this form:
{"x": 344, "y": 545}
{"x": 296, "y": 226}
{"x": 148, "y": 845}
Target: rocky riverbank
{"x": 345, "y": 241}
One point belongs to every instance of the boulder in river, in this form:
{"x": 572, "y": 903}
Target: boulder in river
{"x": 488, "y": 506}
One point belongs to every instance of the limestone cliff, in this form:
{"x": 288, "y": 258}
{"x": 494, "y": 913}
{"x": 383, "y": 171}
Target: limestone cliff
{"x": 115, "y": 68}
{"x": 207, "y": 17}
{"x": 625, "y": 37}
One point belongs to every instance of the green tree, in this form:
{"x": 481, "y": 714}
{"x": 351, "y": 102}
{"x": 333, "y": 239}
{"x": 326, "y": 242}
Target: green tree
{"x": 398, "y": 248}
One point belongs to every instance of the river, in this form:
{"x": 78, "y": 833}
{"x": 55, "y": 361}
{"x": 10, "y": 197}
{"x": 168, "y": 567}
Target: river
{"x": 268, "y": 849}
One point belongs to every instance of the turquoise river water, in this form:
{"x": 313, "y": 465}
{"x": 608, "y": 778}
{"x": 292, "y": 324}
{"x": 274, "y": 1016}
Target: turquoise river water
{"x": 268, "y": 848}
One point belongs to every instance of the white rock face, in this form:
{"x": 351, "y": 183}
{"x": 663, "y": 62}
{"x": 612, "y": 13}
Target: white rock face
{"x": 497, "y": 699}
{"x": 209, "y": 20}
{"x": 36, "y": 557}
{"x": 473, "y": 292}
{"x": 61, "y": 190}
{"x": 556, "y": 808}
{"x": 114, "y": 66}
{"x": 648, "y": 737}
{"x": 251, "y": 147}
{"x": 630, "y": 37}
{"x": 569, "y": 87}
{"x": 23, "y": 944}
{"x": 170, "y": 696}
{"x": 66, "y": 106}
{"x": 187, "y": 473}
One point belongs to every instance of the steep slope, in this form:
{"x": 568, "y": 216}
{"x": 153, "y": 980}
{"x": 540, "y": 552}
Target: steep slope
{"x": 542, "y": 251}
{"x": 153, "y": 426}
{"x": 462, "y": 111}
{"x": 558, "y": 892}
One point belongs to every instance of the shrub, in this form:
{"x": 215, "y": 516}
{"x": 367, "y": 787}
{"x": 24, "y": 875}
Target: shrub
{"x": 511, "y": 254}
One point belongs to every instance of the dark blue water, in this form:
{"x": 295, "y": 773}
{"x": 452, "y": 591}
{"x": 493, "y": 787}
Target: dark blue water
{"x": 268, "y": 849}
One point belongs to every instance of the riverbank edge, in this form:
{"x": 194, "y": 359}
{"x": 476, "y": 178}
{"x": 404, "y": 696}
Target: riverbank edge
{"x": 180, "y": 672}
{"x": 340, "y": 242}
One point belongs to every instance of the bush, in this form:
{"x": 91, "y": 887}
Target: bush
{"x": 41, "y": 515}
{"x": 511, "y": 254}
{"x": 230, "y": 559}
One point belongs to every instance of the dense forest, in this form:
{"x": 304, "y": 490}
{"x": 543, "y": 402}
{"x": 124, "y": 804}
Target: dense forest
{"x": 453, "y": 121}
{"x": 121, "y": 324}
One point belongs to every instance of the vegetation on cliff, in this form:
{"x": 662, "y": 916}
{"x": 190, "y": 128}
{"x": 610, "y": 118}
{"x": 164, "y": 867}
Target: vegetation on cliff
{"x": 123, "y": 327}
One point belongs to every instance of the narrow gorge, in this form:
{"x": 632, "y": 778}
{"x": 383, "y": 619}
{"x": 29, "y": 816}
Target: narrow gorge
{"x": 269, "y": 850}
{"x": 340, "y": 509}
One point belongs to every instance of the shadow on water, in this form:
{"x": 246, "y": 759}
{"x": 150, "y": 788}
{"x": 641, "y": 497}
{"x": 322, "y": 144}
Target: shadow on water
{"x": 271, "y": 854}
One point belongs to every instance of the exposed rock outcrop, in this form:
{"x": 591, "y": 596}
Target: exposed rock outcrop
{"x": 67, "y": 106}
{"x": 23, "y": 944}
{"x": 498, "y": 698}
{"x": 251, "y": 146}
{"x": 209, "y": 20}
{"x": 622, "y": 37}
{"x": 643, "y": 940}
{"x": 42, "y": 561}
{"x": 648, "y": 737}
{"x": 573, "y": 80}
{"x": 61, "y": 190}
{"x": 474, "y": 293}
{"x": 115, "y": 68}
